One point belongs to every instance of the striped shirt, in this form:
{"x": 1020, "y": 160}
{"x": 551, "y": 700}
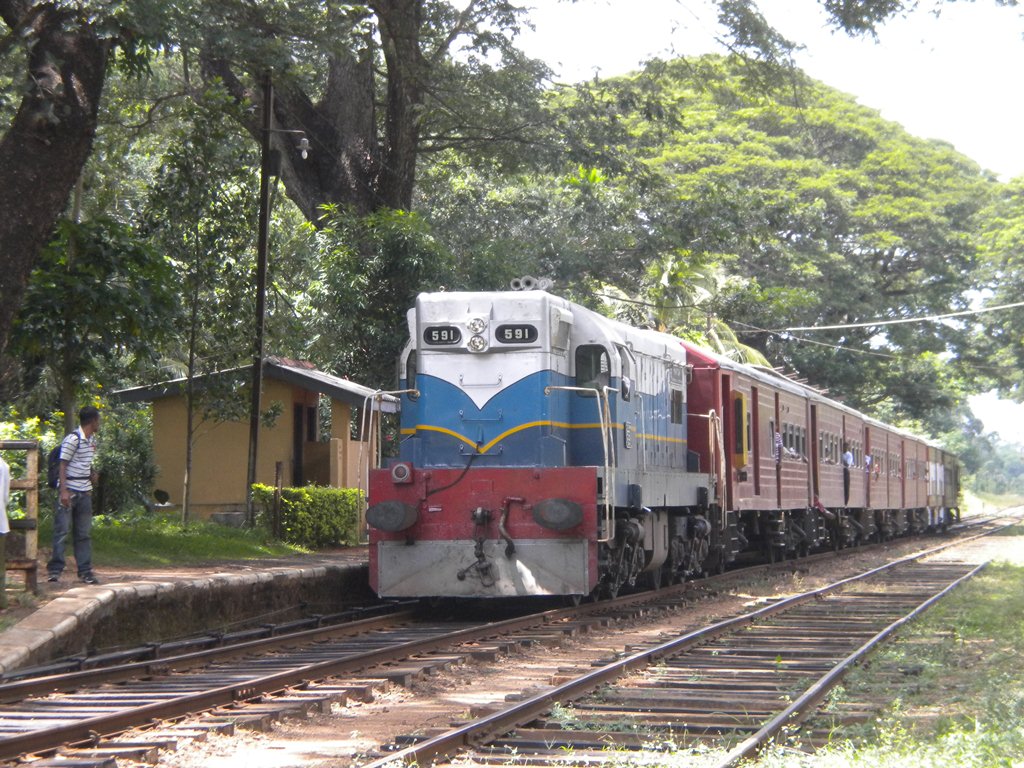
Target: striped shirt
{"x": 78, "y": 450}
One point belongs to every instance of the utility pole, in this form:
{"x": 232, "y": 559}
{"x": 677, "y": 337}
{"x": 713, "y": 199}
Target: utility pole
{"x": 262, "y": 246}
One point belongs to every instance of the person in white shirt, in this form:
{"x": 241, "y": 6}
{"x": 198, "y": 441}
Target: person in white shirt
{"x": 74, "y": 498}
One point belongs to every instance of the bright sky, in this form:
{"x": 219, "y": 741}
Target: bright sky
{"x": 954, "y": 77}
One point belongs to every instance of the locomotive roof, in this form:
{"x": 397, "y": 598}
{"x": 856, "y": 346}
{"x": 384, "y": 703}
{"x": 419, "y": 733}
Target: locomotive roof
{"x": 642, "y": 340}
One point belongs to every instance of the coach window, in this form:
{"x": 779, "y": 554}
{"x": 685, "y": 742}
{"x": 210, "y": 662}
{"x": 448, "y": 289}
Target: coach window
{"x": 802, "y": 450}
{"x": 741, "y": 431}
{"x": 592, "y": 368}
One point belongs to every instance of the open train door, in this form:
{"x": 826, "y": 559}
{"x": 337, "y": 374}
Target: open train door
{"x": 869, "y": 460}
{"x": 815, "y": 451}
{"x": 728, "y": 434}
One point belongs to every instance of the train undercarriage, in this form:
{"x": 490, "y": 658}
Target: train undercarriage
{"x": 653, "y": 548}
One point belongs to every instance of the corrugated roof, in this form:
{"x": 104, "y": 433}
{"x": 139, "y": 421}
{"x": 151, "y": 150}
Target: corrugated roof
{"x": 299, "y": 373}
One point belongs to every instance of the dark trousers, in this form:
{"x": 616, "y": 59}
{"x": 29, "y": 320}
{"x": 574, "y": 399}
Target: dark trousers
{"x": 77, "y": 517}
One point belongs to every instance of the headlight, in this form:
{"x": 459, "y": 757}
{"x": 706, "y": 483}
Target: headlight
{"x": 477, "y": 344}
{"x": 476, "y": 325}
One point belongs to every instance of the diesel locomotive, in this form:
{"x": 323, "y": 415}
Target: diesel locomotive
{"x": 549, "y": 450}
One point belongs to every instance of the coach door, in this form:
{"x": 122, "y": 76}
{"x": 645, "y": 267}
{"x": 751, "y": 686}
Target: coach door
{"x": 755, "y": 438}
{"x": 815, "y": 446}
{"x": 869, "y": 461}
{"x": 728, "y": 432}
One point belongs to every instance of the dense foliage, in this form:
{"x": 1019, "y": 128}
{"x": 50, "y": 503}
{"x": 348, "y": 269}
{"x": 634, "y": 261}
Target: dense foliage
{"x": 728, "y": 199}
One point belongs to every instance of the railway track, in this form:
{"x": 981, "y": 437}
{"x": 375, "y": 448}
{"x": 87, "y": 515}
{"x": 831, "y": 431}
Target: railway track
{"x": 78, "y": 710}
{"x": 741, "y": 681}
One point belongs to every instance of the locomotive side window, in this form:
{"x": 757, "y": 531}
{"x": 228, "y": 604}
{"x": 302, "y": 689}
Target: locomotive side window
{"x": 677, "y": 406}
{"x": 593, "y": 370}
{"x": 677, "y": 394}
{"x": 626, "y": 369}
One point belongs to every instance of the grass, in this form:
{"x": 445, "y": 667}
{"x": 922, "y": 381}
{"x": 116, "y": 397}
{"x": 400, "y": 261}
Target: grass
{"x": 953, "y": 696}
{"x": 153, "y": 542}
{"x": 990, "y": 503}
{"x": 958, "y": 698}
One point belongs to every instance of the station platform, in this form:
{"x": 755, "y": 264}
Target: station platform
{"x": 135, "y": 607}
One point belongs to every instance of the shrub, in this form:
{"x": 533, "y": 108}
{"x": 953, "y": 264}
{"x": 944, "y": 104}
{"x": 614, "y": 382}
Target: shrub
{"x": 16, "y": 426}
{"x": 312, "y": 516}
{"x": 125, "y": 460}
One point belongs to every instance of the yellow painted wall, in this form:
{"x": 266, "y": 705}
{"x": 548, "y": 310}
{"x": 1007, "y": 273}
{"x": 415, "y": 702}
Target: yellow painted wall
{"x": 220, "y": 455}
{"x": 221, "y": 450}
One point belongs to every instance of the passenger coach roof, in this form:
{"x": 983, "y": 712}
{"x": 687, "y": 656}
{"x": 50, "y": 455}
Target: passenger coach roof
{"x": 768, "y": 377}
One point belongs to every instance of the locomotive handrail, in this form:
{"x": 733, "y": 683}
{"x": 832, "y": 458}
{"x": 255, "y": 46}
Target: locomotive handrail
{"x": 608, "y": 447}
{"x": 363, "y": 479}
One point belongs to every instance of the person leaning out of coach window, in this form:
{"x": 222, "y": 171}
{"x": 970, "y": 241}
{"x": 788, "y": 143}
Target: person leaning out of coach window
{"x": 74, "y": 497}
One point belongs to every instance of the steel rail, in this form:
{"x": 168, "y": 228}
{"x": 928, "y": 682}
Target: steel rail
{"x": 39, "y": 686}
{"x": 90, "y": 729}
{"x": 19, "y": 688}
{"x": 494, "y": 725}
{"x": 804, "y": 705}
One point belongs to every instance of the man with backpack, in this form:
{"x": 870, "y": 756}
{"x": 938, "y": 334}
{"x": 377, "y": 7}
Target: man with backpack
{"x": 75, "y": 478}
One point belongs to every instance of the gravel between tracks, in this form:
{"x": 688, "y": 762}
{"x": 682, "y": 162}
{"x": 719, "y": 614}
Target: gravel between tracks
{"x": 348, "y": 733}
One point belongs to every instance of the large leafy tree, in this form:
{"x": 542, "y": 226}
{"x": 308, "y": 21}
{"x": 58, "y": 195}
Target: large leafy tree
{"x": 57, "y": 56}
{"x": 98, "y": 296}
{"x": 371, "y": 87}
{"x": 832, "y": 215}
{"x": 1000, "y": 333}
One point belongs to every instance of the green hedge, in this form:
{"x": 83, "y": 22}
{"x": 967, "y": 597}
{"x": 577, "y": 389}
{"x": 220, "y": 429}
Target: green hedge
{"x": 312, "y": 516}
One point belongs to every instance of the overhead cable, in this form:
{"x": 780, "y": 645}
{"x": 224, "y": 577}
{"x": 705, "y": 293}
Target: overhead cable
{"x": 874, "y": 323}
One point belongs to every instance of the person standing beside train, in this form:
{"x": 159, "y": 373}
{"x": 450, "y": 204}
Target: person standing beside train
{"x": 74, "y": 497}
{"x": 847, "y": 466}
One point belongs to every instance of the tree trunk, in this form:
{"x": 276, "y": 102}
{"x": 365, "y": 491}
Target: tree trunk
{"x": 48, "y": 142}
{"x": 400, "y": 23}
{"x": 350, "y": 163}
